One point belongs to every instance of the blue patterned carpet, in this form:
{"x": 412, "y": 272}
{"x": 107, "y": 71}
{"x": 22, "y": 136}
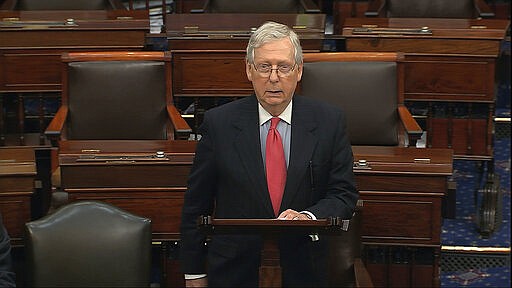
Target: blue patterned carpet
{"x": 462, "y": 230}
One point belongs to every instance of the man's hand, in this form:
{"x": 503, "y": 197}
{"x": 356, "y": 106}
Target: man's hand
{"x": 290, "y": 214}
{"x": 201, "y": 282}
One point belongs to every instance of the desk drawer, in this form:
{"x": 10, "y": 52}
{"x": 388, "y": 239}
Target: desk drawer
{"x": 398, "y": 218}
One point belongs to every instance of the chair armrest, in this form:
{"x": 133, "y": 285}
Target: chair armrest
{"x": 362, "y": 276}
{"x": 375, "y": 8}
{"x": 181, "y": 127}
{"x": 412, "y": 128}
{"x": 54, "y": 129}
{"x": 309, "y": 6}
{"x": 204, "y": 7}
{"x": 483, "y": 9}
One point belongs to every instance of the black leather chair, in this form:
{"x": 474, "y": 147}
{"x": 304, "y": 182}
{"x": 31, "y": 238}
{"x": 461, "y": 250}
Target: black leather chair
{"x": 260, "y": 6}
{"x": 369, "y": 87}
{"x": 88, "y": 244}
{"x": 62, "y": 5}
{"x": 117, "y": 96}
{"x": 429, "y": 9}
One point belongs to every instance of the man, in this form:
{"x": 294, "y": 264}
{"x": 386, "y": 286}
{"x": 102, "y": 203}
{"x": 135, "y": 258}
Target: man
{"x": 233, "y": 178}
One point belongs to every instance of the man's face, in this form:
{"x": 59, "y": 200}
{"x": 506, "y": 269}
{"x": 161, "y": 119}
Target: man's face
{"x": 274, "y": 91}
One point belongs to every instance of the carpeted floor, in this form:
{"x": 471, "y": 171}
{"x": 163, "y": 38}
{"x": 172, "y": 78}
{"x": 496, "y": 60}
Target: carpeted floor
{"x": 477, "y": 269}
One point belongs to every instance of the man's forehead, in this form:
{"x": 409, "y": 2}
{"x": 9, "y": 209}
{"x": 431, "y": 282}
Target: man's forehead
{"x": 278, "y": 49}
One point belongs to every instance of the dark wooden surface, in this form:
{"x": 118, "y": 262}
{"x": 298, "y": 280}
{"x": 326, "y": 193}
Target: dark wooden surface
{"x": 414, "y": 181}
{"x": 150, "y": 188}
{"x": 402, "y": 189}
{"x": 17, "y": 180}
{"x": 453, "y": 63}
{"x": 271, "y": 229}
{"x": 32, "y": 41}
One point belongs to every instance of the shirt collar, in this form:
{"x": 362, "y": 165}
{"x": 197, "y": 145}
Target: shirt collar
{"x": 286, "y": 116}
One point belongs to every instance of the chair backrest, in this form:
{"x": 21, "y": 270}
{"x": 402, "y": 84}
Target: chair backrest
{"x": 64, "y": 5}
{"x": 430, "y": 8}
{"x": 251, "y": 6}
{"x": 88, "y": 244}
{"x": 114, "y": 96}
{"x": 367, "y": 86}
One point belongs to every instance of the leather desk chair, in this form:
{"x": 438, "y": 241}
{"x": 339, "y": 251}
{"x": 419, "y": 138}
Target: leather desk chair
{"x": 117, "y": 96}
{"x": 260, "y": 6}
{"x": 28, "y": 5}
{"x": 369, "y": 87}
{"x": 88, "y": 244}
{"x": 429, "y": 9}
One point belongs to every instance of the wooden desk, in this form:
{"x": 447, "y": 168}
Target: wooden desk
{"x": 31, "y": 43}
{"x": 402, "y": 190}
{"x": 452, "y": 63}
{"x": 128, "y": 174}
{"x": 17, "y": 180}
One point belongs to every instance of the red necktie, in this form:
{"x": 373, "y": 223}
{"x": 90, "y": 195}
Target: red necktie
{"x": 275, "y": 165}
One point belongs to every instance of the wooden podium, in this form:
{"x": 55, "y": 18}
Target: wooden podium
{"x": 270, "y": 229}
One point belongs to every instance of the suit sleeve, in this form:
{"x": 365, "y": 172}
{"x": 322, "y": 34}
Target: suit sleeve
{"x": 339, "y": 195}
{"x": 198, "y": 202}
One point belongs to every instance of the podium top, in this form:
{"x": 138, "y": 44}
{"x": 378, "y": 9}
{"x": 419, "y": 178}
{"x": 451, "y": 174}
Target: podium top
{"x": 272, "y": 226}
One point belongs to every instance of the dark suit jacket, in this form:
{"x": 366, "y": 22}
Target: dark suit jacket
{"x": 228, "y": 179}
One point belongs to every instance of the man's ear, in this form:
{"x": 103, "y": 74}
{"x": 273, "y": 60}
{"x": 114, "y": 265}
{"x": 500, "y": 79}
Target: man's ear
{"x": 299, "y": 72}
{"x": 248, "y": 70}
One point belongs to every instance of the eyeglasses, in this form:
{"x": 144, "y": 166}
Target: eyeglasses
{"x": 283, "y": 70}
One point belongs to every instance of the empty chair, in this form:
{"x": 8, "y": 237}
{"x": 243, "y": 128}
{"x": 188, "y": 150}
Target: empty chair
{"x": 117, "y": 96}
{"x": 88, "y": 244}
{"x": 369, "y": 87}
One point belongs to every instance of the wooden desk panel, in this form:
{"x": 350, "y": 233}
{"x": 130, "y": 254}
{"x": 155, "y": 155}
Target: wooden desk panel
{"x": 17, "y": 176}
{"x": 402, "y": 190}
{"x": 151, "y": 187}
{"x": 31, "y": 42}
{"x": 192, "y": 73}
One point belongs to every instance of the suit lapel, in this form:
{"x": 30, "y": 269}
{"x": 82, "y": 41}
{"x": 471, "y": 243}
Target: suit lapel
{"x": 303, "y": 142}
{"x": 247, "y": 143}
